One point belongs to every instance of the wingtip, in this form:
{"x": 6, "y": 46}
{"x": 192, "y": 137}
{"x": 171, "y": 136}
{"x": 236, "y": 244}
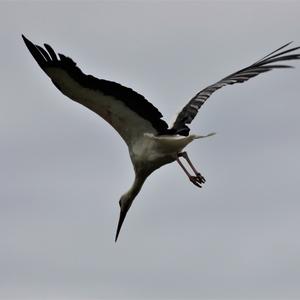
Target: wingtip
{"x": 24, "y": 37}
{"x": 287, "y": 44}
{"x": 36, "y": 52}
{"x": 26, "y": 40}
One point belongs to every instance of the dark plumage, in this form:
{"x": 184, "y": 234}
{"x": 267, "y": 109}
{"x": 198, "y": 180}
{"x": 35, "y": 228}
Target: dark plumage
{"x": 265, "y": 64}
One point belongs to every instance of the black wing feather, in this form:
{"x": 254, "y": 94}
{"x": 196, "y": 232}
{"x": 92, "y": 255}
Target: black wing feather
{"x": 129, "y": 97}
{"x": 44, "y": 53}
{"x": 265, "y": 64}
{"x": 51, "y": 52}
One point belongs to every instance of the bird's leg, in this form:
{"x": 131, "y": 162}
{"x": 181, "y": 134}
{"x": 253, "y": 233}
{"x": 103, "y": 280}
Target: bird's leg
{"x": 198, "y": 179}
{"x": 192, "y": 178}
{"x": 185, "y": 156}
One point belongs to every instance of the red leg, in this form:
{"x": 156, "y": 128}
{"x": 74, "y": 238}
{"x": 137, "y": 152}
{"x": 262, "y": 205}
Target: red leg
{"x": 196, "y": 180}
{"x": 198, "y": 174}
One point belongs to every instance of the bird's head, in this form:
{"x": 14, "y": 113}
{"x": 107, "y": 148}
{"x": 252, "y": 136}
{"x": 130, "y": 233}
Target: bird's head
{"x": 127, "y": 199}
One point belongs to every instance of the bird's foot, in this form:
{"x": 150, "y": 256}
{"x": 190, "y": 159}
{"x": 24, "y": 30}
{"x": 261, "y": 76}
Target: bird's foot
{"x": 197, "y": 180}
{"x": 200, "y": 177}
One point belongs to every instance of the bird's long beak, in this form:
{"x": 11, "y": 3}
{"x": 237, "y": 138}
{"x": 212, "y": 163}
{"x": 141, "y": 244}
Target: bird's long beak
{"x": 123, "y": 213}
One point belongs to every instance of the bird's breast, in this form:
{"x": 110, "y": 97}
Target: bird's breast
{"x": 152, "y": 153}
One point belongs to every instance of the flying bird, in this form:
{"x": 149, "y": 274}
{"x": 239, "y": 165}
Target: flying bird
{"x": 151, "y": 142}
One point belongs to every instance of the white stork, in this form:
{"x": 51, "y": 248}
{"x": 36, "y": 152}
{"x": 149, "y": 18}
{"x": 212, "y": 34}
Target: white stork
{"x": 150, "y": 141}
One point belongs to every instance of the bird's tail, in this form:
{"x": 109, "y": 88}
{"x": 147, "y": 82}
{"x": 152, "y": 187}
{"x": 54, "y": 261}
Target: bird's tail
{"x": 195, "y": 136}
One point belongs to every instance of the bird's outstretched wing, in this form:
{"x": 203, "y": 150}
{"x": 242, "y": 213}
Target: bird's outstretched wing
{"x": 124, "y": 109}
{"x": 267, "y": 63}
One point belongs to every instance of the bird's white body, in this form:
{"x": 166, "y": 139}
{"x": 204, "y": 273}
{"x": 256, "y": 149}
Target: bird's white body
{"x": 151, "y": 151}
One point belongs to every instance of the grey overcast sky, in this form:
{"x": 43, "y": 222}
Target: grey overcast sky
{"x": 63, "y": 169}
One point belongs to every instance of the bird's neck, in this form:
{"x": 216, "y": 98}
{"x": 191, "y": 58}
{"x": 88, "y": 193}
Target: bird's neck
{"x": 136, "y": 186}
{"x": 127, "y": 199}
